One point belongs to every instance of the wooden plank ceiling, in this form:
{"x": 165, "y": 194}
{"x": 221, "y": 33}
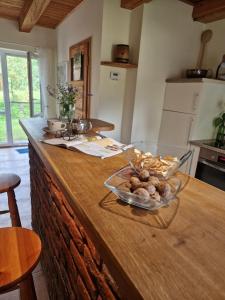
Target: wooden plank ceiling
{"x": 46, "y": 13}
{"x": 131, "y": 4}
{"x": 49, "y": 13}
{"x": 206, "y": 11}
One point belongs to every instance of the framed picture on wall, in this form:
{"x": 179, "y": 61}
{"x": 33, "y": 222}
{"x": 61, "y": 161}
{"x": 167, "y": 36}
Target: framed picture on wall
{"x": 62, "y": 72}
{"x": 77, "y": 66}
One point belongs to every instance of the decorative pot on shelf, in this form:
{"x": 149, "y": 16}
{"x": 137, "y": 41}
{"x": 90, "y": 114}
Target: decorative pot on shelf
{"x": 122, "y": 53}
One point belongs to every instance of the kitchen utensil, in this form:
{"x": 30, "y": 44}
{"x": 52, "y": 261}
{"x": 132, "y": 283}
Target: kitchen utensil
{"x": 199, "y": 72}
{"x": 116, "y": 182}
{"x": 205, "y": 38}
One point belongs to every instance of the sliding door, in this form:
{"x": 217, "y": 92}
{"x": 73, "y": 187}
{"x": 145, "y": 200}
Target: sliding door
{"x": 20, "y": 95}
{"x": 3, "y": 123}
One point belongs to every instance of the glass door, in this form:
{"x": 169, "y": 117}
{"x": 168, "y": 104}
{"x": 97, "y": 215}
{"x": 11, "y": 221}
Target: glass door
{"x": 19, "y": 94}
{"x": 17, "y": 69}
{"x": 3, "y": 128}
{"x": 34, "y": 85}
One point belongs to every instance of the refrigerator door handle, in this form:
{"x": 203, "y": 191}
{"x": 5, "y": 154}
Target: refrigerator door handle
{"x": 195, "y": 102}
{"x": 190, "y": 129}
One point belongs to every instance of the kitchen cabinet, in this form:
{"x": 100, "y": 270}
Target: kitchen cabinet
{"x": 188, "y": 113}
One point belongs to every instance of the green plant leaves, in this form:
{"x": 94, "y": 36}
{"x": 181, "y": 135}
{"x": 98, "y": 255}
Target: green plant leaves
{"x": 219, "y": 121}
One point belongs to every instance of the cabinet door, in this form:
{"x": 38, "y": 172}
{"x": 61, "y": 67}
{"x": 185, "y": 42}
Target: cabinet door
{"x": 182, "y": 97}
{"x": 176, "y": 128}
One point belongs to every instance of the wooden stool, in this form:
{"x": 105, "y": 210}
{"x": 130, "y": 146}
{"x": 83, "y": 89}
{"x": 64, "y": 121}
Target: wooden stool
{"x": 19, "y": 254}
{"x": 7, "y": 184}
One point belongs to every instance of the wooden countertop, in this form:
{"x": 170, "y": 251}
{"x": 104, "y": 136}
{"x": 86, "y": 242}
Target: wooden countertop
{"x": 99, "y": 125}
{"x": 206, "y": 144}
{"x": 175, "y": 253}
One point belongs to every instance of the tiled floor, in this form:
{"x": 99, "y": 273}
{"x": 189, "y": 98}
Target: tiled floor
{"x": 13, "y": 162}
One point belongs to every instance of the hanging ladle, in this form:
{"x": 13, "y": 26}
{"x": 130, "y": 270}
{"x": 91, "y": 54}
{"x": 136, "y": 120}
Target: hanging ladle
{"x": 199, "y": 72}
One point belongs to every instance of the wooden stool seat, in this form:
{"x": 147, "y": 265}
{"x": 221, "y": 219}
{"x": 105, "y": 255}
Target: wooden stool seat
{"x": 20, "y": 251}
{"x": 8, "y": 182}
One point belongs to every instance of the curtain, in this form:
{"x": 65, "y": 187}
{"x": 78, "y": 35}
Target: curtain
{"x": 47, "y": 66}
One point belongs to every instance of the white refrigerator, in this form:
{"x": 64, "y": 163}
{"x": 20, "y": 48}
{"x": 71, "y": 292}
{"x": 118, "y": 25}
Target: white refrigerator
{"x": 188, "y": 112}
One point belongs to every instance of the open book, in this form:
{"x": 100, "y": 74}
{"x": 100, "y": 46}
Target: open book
{"x": 95, "y": 145}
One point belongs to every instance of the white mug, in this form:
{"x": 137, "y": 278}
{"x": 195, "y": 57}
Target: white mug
{"x": 54, "y": 124}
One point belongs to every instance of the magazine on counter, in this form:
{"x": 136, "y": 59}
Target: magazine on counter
{"x": 94, "y": 145}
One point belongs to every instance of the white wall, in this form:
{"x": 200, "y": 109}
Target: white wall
{"x": 131, "y": 78}
{"x": 115, "y": 30}
{"x": 170, "y": 42}
{"x": 84, "y": 22}
{"x": 38, "y": 37}
{"x": 115, "y": 27}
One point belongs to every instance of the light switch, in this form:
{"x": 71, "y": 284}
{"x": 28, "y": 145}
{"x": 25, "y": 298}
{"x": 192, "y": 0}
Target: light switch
{"x": 114, "y": 75}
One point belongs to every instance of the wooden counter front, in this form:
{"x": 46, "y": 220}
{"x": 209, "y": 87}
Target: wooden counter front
{"x": 174, "y": 253}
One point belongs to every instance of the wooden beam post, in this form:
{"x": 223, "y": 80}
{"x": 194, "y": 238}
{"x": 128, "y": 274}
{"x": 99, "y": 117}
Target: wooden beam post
{"x": 208, "y": 11}
{"x": 131, "y": 4}
{"x": 32, "y": 11}
{"x": 188, "y": 2}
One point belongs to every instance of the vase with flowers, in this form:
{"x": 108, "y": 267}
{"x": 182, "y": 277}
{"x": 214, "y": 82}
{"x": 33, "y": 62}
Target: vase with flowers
{"x": 66, "y": 96}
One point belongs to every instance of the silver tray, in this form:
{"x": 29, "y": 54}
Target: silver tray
{"x": 115, "y": 184}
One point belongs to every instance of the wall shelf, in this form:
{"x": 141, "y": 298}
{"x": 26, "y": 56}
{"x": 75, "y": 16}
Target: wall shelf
{"x": 119, "y": 65}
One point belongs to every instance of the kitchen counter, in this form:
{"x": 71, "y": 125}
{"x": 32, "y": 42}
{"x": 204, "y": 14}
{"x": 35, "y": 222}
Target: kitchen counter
{"x": 174, "y": 253}
{"x": 202, "y": 144}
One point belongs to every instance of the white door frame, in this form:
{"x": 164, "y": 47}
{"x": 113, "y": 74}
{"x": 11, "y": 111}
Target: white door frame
{"x": 6, "y": 99}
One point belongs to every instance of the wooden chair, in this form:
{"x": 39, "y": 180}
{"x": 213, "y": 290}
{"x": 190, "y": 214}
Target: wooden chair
{"x": 19, "y": 254}
{"x": 7, "y": 184}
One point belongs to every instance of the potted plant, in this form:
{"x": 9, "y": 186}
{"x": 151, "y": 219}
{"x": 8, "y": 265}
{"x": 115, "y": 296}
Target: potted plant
{"x": 66, "y": 96}
{"x": 219, "y": 123}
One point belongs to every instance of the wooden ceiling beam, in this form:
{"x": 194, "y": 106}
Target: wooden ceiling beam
{"x": 209, "y": 11}
{"x": 131, "y": 4}
{"x": 31, "y": 13}
{"x": 188, "y": 2}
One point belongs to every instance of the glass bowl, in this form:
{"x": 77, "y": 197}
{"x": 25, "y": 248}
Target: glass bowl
{"x": 116, "y": 184}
